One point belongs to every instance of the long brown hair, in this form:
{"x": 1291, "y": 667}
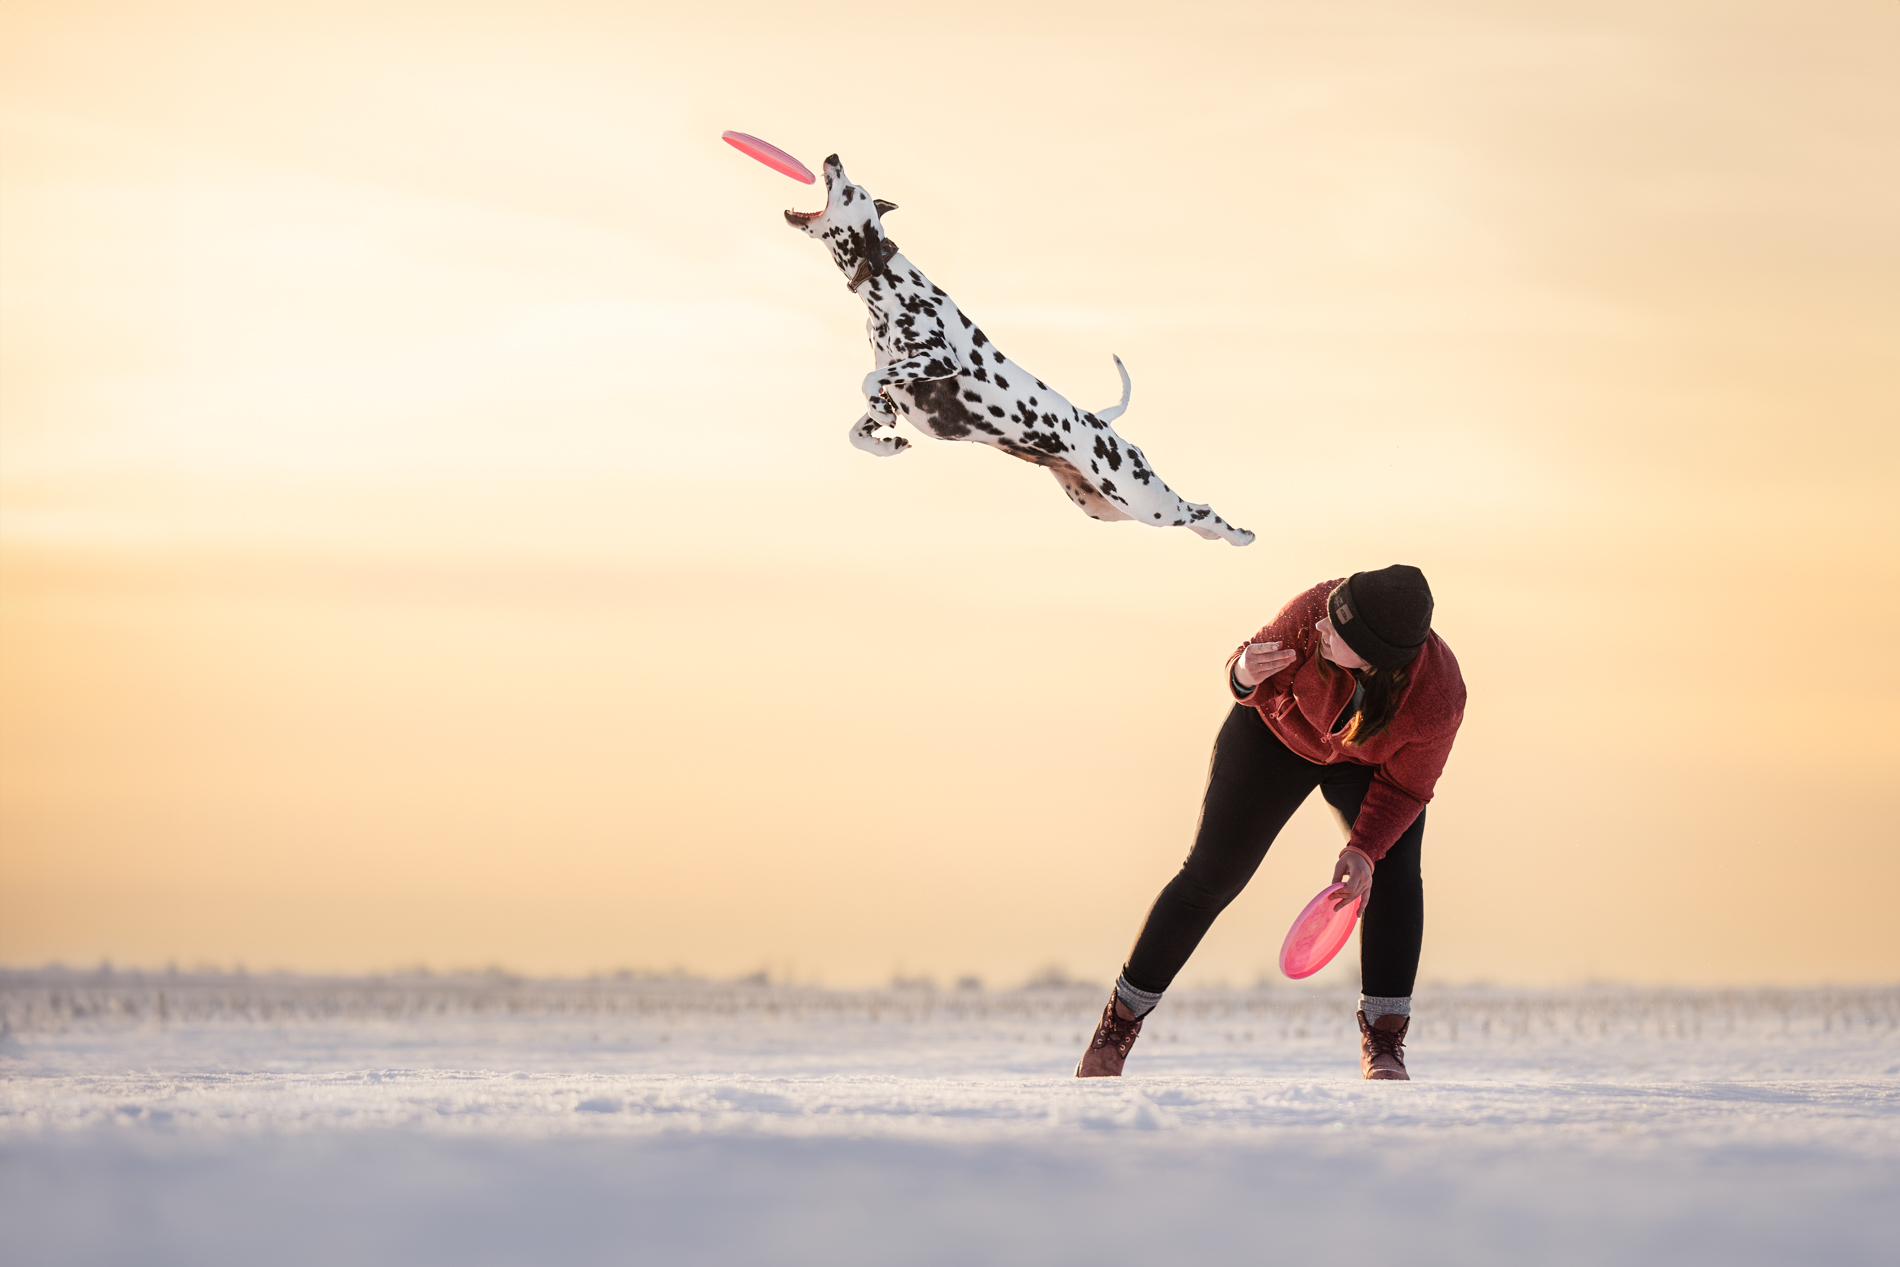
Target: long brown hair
{"x": 1377, "y": 706}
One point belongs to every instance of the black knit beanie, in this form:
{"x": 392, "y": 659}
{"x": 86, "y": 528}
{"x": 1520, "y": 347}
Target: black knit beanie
{"x": 1385, "y": 616}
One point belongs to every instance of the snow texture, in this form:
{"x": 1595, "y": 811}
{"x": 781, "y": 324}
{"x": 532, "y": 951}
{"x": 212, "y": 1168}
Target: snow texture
{"x": 482, "y": 1120}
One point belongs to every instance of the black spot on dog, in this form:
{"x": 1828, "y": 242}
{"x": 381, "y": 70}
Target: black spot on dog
{"x": 944, "y": 414}
{"x": 1109, "y": 452}
{"x": 960, "y": 317}
{"x": 1001, "y": 381}
{"x": 1034, "y": 449}
{"x": 996, "y": 411}
{"x": 978, "y": 338}
{"x": 1000, "y": 358}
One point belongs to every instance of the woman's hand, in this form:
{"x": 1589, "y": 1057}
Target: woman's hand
{"x": 1355, "y": 873}
{"x": 1261, "y": 661}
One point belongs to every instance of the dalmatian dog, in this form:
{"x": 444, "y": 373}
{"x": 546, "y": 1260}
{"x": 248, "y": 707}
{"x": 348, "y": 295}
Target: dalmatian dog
{"x": 947, "y": 379}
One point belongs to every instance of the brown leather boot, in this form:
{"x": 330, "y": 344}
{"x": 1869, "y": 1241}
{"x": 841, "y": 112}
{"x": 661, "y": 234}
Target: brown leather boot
{"x": 1108, "y": 1050}
{"x": 1382, "y": 1048}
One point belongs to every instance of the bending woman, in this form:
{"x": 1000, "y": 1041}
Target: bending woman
{"x": 1348, "y": 691}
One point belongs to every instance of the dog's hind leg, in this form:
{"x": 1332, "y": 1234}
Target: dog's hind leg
{"x": 1145, "y": 497}
{"x": 863, "y": 435}
{"x": 1083, "y": 494}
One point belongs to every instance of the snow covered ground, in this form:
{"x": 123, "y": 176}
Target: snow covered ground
{"x": 477, "y": 1120}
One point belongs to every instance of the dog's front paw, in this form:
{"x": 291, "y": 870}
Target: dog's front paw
{"x": 863, "y": 435}
{"x": 876, "y": 401}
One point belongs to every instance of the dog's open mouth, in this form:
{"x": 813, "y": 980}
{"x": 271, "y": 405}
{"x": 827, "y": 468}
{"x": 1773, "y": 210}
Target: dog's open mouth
{"x": 799, "y": 219}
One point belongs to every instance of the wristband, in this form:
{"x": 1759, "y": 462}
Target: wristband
{"x": 1370, "y": 860}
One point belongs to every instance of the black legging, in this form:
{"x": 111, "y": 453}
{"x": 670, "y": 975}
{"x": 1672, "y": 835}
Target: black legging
{"x": 1254, "y": 784}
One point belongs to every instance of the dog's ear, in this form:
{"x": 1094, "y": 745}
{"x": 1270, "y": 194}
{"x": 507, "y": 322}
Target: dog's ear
{"x": 883, "y": 208}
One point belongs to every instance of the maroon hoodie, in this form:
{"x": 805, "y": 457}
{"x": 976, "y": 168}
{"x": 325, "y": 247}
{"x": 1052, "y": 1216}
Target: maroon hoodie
{"x": 1301, "y": 702}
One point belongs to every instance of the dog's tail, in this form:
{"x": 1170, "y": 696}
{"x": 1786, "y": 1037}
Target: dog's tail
{"x": 1115, "y": 411}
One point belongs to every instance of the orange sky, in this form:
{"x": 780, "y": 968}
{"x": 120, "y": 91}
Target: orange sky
{"x": 427, "y": 532}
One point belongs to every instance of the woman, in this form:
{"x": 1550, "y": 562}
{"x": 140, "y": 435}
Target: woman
{"x": 1348, "y": 691}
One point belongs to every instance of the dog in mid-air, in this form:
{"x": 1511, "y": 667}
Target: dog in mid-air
{"x": 946, "y": 378}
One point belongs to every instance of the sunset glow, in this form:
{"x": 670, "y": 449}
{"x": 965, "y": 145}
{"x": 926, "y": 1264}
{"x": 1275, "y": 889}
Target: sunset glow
{"x": 428, "y": 533}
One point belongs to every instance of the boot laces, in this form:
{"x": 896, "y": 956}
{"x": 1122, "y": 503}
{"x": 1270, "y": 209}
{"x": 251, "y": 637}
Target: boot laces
{"x": 1387, "y": 1042}
{"x": 1115, "y": 1032}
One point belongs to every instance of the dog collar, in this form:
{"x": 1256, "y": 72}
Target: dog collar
{"x": 878, "y": 251}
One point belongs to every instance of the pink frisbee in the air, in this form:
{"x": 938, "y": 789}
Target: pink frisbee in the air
{"x": 1317, "y": 934}
{"x": 771, "y": 155}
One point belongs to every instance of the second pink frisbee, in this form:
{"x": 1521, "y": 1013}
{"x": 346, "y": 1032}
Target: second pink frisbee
{"x": 771, "y": 155}
{"x": 1317, "y": 934}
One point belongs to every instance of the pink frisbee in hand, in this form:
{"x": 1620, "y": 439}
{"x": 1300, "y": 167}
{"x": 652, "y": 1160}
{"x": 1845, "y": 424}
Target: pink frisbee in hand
{"x": 771, "y": 155}
{"x": 1317, "y": 934}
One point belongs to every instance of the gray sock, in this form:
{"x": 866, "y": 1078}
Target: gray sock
{"x": 1374, "y": 1007}
{"x": 1135, "y": 999}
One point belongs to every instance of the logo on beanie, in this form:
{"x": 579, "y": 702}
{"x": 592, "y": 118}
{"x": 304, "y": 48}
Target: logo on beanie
{"x": 1342, "y": 611}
